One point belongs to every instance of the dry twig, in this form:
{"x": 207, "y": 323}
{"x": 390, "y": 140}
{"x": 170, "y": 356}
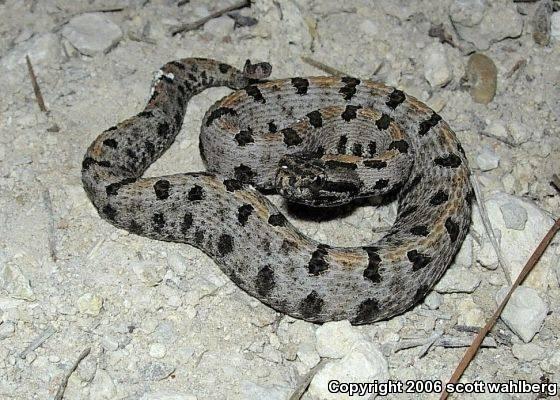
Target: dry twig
{"x": 323, "y": 67}
{"x": 36, "y": 87}
{"x": 60, "y": 392}
{"x": 306, "y": 380}
{"x": 38, "y": 341}
{"x": 473, "y": 348}
{"x": 190, "y": 26}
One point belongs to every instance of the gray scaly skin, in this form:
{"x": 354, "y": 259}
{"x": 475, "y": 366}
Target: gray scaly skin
{"x": 321, "y": 141}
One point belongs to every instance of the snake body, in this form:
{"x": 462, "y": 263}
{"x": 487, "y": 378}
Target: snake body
{"x": 321, "y": 141}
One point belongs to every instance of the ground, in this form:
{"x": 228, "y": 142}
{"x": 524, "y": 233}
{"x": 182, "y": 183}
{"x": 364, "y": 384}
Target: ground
{"x": 161, "y": 320}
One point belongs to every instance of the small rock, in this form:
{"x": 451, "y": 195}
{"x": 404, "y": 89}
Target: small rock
{"x": 150, "y": 273}
{"x": 102, "y": 386}
{"x": 177, "y": 263}
{"x": 524, "y": 312}
{"x": 497, "y": 130}
{"x": 481, "y": 76}
{"x": 15, "y": 283}
{"x": 458, "y": 280}
{"x": 541, "y": 23}
{"x": 42, "y": 49}
{"x": 308, "y": 355}
{"x": 156, "y": 371}
{"x": 157, "y": 350}
{"x": 335, "y": 339}
{"x": 436, "y": 66}
{"x": 90, "y": 304}
{"x": 109, "y": 343}
{"x": 555, "y": 25}
{"x": 363, "y": 363}
{"x": 528, "y": 351}
{"x": 515, "y": 216}
{"x": 220, "y": 27}
{"x": 470, "y": 314}
{"x": 465, "y": 255}
{"x": 92, "y": 33}
{"x": 369, "y": 27}
{"x": 487, "y": 159}
{"x": 167, "y": 395}
{"x": 253, "y": 391}
{"x": 433, "y": 300}
{"x": 467, "y": 12}
{"x": 7, "y": 329}
{"x": 517, "y": 245}
{"x": 483, "y": 23}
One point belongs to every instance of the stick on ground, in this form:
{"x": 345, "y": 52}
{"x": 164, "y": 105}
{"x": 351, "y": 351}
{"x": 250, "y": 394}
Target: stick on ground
{"x": 36, "y": 87}
{"x": 471, "y": 351}
{"x": 197, "y": 24}
{"x": 60, "y": 392}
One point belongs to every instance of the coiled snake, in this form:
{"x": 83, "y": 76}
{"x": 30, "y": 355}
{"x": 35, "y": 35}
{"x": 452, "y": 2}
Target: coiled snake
{"x": 320, "y": 141}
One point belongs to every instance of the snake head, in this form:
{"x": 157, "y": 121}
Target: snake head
{"x": 305, "y": 179}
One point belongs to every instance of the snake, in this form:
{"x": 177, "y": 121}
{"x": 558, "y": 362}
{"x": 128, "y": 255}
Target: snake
{"x": 321, "y": 142}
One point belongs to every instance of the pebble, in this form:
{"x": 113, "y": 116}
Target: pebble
{"x": 90, "y": 304}
{"x": 13, "y": 281}
{"x": 7, "y": 329}
{"x": 220, "y": 27}
{"x": 42, "y": 50}
{"x": 433, "y": 300}
{"x": 465, "y": 255}
{"x": 177, "y": 263}
{"x": 308, "y": 355}
{"x": 524, "y": 313}
{"x": 437, "y": 70}
{"x": 469, "y": 314}
{"x": 92, "y": 33}
{"x": 156, "y": 371}
{"x": 515, "y": 216}
{"x": 102, "y": 387}
{"x": 517, "y": 245}
{"x": 363, "y": 363}
{"x": 487, "y": 159}
{"x": 483, "y": 23}
{"x": 458, "y": 280}
{"x": 467, "y": 12}
{"x": 335, "y": 339}
{"x": 109, "y": 343}
{"x": 527, "y": 351}
{"x": 541, "y": 23}
{"x": 167, "y": 395}
{"x": 157, "y": 350}
{"x": 149, "y": 272}
{"x": 555, "y": 25}
{"x": 254, "y": 391}
{"x": 481, "y": 76}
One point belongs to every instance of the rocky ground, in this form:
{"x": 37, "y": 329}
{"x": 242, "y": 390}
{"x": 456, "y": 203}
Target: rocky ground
{"x": 160, "y": 319}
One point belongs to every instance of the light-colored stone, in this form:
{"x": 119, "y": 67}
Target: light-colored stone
{"x": 157, "y": 350}
{"x": 335, "y": 339}
{"x": 42, "y": 49}
{"x": 515, "y": 216}
{"x": 363, "y": 363}
{"x": 518, "y": 245}
{"x": 149, "y": 272}
{"x": 469, "y": 314}
{"x": 487, "y": 159}
{"x": 458, "y": 280}
{"x": 528, "y": 351}
{"x": 13, "y": 281}
{"x": 483, "y": 23}
{"x": 167, "y": 395}
{"x": 220, "y": 27}
{"x": 524, "y": 312}
{"x": 7, "y": 329}
{"x": 308, "y": 355}
{"x": 92, "y": 33}
{"x": 90, "y": 304}
{"x": 437, "y": 70}
{"x": 253, "y": 391}
{"x": 555, "y": 25}
{"x": 433, "y": 300}
{"x": 102, "y": 386}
